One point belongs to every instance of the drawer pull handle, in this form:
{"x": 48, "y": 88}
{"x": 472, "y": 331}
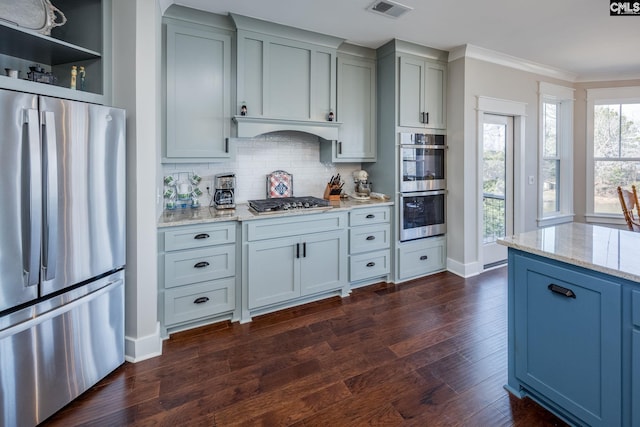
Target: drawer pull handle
{"x": 201, "y": 300}
{"x": 201, "y": 264}
{"x": 561, "y": 290}
{"x": 371, "y": 237}
{"x": 423, "y": 257}
{"x": 201, "y": 236}
{"x": 371, "y": 216}
{"x": 371, "y": 264}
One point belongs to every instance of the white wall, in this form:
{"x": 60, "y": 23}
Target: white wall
{"x": 470, "y": 78}
{"x": 136, "y": 59}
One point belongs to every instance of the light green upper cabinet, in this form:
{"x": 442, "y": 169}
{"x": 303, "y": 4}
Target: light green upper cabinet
{"x": 422, "y": 95}
{"x": 198, "y": 93}
{"x": 284, "y": 72}
{"x": 356, "y": 110}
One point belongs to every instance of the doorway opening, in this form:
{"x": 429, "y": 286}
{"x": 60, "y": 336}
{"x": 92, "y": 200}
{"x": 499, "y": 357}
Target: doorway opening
{"x": 497, "y": 186}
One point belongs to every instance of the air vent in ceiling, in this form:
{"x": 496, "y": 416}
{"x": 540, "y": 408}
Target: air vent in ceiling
{"x": 389, "y": 8}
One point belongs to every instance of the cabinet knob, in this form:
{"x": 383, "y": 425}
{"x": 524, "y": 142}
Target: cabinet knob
{"x": 371, "y": 264}
{"x": 201, "y": 236}
{"x": 423, "y": 257}
{"x": 371, "y": 237}
{"x": 201, "y": 264}
{"x": 201, "y": 300}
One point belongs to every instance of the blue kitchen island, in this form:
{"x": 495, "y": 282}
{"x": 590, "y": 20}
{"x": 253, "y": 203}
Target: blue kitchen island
{"x": 574, "y": 322}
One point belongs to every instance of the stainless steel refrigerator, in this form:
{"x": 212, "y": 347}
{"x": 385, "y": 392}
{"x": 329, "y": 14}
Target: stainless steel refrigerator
{"x": 62, "y": 251}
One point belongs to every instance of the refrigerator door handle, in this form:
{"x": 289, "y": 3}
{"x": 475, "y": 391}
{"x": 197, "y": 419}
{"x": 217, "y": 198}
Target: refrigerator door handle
{"x": 51, "y": 199}
{"x": 31, "y": 254}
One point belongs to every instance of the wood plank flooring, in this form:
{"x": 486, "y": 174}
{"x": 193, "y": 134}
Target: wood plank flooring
{"x": 431, "y": 352}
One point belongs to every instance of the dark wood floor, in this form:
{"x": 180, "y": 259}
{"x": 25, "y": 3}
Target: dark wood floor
{"x": 431, "y": 352}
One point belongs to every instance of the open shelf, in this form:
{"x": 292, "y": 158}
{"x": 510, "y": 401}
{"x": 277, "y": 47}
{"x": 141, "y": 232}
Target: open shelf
{"x": 31, "y": 46}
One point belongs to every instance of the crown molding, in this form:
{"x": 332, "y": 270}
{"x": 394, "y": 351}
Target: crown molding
{"x": 488, "y": 55}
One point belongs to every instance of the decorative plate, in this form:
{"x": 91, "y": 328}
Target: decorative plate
{"x": 279, "y": 184}
{"x": 36, "y": 15}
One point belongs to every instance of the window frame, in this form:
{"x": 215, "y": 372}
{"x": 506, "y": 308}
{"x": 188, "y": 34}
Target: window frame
{"x": 563, "y": 98}
{"x": 603, "y": 96}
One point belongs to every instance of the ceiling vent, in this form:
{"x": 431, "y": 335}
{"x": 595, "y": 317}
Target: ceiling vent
{"x": 389, "y": 8}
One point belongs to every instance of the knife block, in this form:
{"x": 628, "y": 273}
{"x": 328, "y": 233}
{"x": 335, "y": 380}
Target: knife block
{"x": 327, "y": 193}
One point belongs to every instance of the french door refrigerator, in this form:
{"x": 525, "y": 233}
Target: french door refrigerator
{"x": 62, "y": 251}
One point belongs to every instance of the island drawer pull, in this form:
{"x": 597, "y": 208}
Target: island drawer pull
{"x": 371, "y": 237}
{"x": 371, "y": 264}
{"x": 201, "y": 300}
{"x": 370, "y": 216}
{"x": 561, "y": 290}
{"x": 423, "y": 257}
{"x": 201, "y": 264}
{"x": 201, "y": 236}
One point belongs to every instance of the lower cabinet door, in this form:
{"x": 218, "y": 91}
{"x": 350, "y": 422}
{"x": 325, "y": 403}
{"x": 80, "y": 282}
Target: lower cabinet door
{"x": 635, "y": 378}
{"x": 191, "y": 302}
{"x": 322, "y": 262}
{"x": 568, "y": 326}
{"x": 273, "y": 271}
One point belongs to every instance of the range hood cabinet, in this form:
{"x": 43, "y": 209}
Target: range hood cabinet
{"x": 250, "y": 127}
{"x": 286, "y": 77}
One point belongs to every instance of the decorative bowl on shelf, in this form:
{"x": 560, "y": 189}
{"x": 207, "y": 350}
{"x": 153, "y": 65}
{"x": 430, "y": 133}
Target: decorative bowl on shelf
{"x": 36, "y": 15}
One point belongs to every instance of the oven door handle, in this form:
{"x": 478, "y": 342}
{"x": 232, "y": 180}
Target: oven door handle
{"x": 423, "y": 193}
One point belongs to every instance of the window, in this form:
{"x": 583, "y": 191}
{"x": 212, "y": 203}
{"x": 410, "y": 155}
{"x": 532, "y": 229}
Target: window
{"x": 556, "y": 154}
{"x": 613, "y": 152}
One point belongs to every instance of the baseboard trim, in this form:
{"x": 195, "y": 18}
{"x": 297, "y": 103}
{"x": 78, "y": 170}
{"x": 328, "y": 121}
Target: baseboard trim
{"x": 147, "y": 347}
{"x": 464, "y": 270}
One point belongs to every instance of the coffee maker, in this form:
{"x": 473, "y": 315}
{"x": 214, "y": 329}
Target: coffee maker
{"x": 224, "y": 185}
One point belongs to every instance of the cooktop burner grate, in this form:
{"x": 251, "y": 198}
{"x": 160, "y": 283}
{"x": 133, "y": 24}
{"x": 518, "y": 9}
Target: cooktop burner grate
{"x": 280, "y": 204}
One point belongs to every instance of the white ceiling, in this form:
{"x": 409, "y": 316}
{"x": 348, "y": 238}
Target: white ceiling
{"x": 577, "y": 37}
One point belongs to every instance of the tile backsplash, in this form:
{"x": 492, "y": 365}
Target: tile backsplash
{"x": 294, "y": 152}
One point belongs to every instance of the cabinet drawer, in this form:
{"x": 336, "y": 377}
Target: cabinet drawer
{"x": 421, "y": 258}
{"x": 197, "y": 237}
{"x": 198, "y": 265}
{"x": 363, "y": 239}
{"x": 369, "y": 216}
{"x": 294, "y": 225}
{"x": 369, "y": 265}
{"x": 204, "y": 299}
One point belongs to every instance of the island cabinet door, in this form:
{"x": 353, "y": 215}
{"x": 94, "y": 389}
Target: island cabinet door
{"x": 635, "y": 359}
{"x": 568, "y": 339}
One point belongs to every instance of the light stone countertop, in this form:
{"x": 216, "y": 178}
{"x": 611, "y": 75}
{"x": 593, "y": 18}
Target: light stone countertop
{"x": 204, "y": 214}
{"x": 607, "y": 250}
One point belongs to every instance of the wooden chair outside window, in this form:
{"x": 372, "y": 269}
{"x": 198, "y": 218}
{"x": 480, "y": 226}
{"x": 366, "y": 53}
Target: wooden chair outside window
{"x": 629, "y": 200}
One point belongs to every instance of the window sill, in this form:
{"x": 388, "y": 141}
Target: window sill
{"x": 606, "y": 219}
{"x": 555, "y": 220}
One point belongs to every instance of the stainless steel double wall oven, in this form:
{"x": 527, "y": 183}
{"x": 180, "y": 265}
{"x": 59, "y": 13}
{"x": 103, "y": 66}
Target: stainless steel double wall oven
{"x": 422, "y": 185}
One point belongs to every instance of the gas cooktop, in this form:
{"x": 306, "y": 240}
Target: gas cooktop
{"x": 286, "y": 204}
